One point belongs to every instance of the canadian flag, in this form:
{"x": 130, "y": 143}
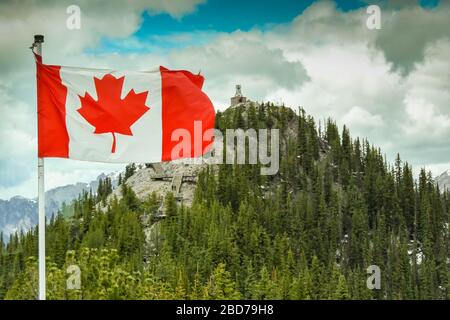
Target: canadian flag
{"x": 121, "y": 116}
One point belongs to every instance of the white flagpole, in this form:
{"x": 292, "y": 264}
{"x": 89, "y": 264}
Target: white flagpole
{"x": 38, "y": 40}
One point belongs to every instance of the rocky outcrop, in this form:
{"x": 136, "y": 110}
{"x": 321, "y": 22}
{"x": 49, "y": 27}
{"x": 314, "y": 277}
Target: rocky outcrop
{"x": 145, "y": 181}
{"x": 443, "y": 181}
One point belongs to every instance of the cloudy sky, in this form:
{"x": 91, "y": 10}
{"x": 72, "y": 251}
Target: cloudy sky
{"x": 389, "y": 85}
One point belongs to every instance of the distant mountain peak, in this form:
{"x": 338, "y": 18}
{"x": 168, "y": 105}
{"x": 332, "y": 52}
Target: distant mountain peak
{"x": 443, "y": 181}
{"x": 20, "y": 213}
{"x": 18, "y": 198}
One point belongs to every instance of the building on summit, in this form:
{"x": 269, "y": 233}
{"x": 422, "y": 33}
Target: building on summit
{"x": 238, "y": 97}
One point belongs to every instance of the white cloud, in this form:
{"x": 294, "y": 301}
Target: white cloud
{"x": 425, "y": 119}
{"x": 19, "y": 21}
{"x": 350, "y": 66}
{"x": 325, "y": 60}
{"x": 407, "y": 33}
{"x": 358, "y": 117}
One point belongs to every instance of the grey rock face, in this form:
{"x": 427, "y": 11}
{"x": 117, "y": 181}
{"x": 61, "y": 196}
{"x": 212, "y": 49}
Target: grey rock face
{"x": 19, "y": 213}
{"x": 144, "y": 184}
{"x": 443, "y": 181}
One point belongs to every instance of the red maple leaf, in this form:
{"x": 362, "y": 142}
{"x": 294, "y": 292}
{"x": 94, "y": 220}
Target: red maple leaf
{"x": 110, "y": 113}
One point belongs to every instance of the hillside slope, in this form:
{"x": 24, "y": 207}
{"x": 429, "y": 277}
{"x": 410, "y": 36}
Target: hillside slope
{"x": 21, "y": 214}
{"x": 309, "y": 232}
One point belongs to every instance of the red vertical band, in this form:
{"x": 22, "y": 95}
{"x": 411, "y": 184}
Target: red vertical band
{"x": 183, "y": 103}
{"x": 53, "y": 139}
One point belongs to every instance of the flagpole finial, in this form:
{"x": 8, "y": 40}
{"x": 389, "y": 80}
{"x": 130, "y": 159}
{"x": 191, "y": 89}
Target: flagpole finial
{"x": 38, "y": 38}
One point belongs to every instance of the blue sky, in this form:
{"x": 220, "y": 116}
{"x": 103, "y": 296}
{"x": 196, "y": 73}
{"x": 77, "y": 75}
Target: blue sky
{"x": 223, "y": 16}
{"x": 228, "y": 16}
{"x": 211, "y": 17}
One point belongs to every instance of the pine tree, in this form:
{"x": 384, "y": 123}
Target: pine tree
{"x": 221, "y": 286}
{"x": 308, "y": 232}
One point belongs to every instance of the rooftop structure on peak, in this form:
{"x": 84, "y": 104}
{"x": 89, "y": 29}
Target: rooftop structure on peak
{"x": 238, "y": 97}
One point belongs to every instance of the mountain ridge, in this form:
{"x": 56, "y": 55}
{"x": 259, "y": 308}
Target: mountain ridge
{"x": 443, "y": 180}
{"x": 20, "y": 213}
{"x": 307, "y": 232}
